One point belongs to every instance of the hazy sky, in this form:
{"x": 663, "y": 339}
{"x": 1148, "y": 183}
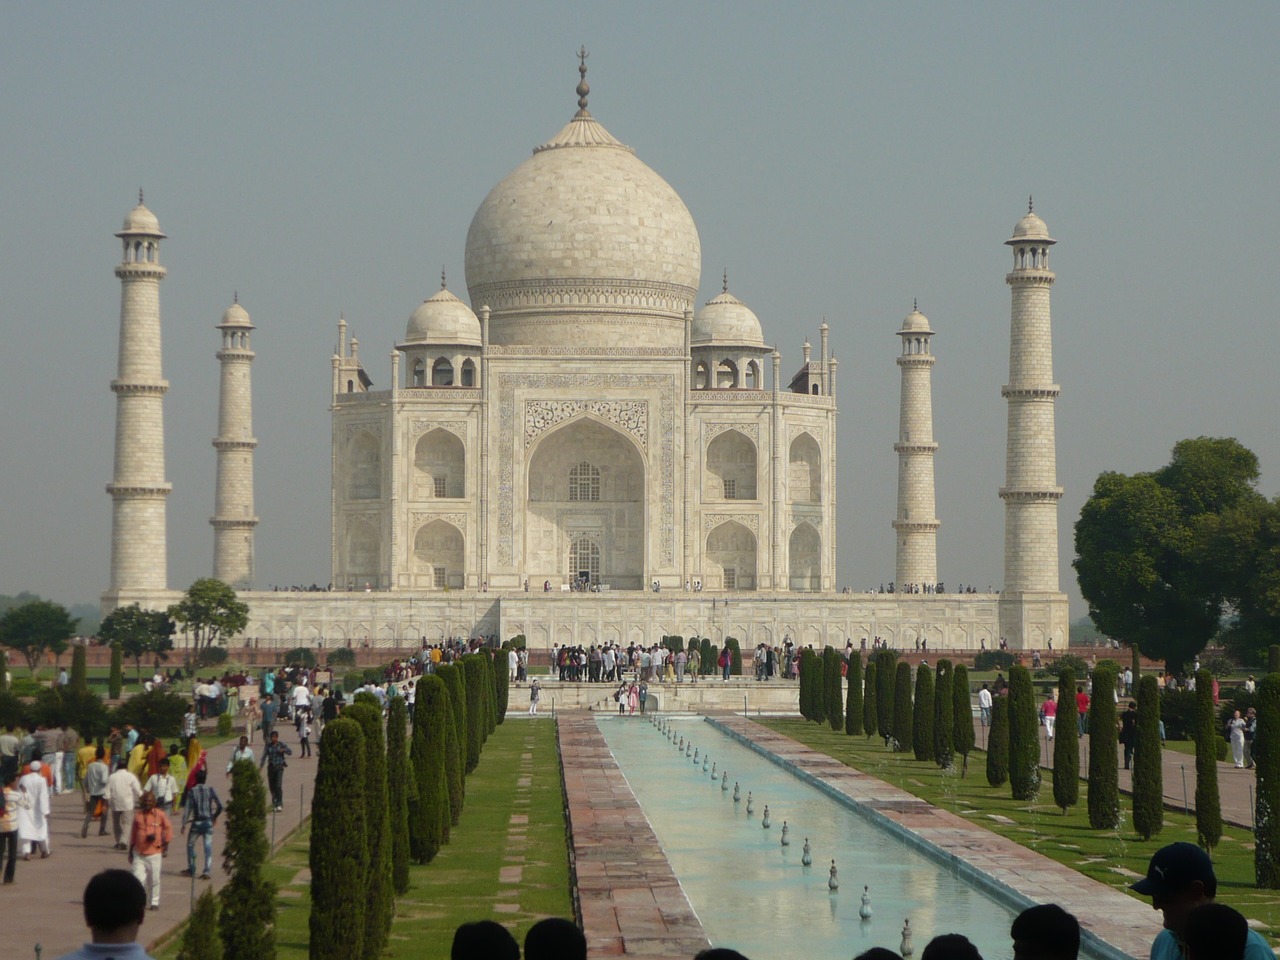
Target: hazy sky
{"x": 838, "y": 159}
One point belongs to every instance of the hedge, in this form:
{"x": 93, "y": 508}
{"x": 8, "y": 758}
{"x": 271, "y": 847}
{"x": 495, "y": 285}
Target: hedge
{"x": 1208, "y": 802}
{"x": 998, "y": 742}
{"x": 962, "y": 716}
{"x": 341, "y": 657}
{"x": 246, "y": 921}
{"x": 1266, "y": 758}
{"x": 1148, "y": 773}
{"x": 902, "y": 707}
{"x": 993, "y": 660}
{"x": 398, "y": 792}
{"x": 943, "y": 715}
{"x": 853, "y": 696}
{"x": 299, "y": 656}
{"x": 379, "y": 896}
{"x": 1066, "y": 745}
{"x": 1104, "y": 778}
{"x": 922, "y": 714}
{"x": 339, "y": 844}
{"x": 1024, "y": 735}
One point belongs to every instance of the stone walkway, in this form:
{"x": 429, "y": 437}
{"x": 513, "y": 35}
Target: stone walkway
{"x": 43, "y": 905}
{"x": 1119, "y": 922}
{"x": 629, "y": 899}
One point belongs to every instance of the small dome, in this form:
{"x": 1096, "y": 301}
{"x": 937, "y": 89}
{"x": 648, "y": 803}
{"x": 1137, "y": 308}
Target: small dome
{"x": 443, "y": 319}
{"x": 141, "y": 221}
{"x": 236, "y": 316}
{"x": 1030, "y": 227}
{"x": 915, "y": 322}
{"x": 726, "y": 319}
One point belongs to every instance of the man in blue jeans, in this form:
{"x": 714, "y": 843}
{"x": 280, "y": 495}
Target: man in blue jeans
{"x": 201, "y": 809}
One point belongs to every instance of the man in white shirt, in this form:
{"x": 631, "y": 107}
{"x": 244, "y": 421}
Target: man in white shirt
{"x": 164, "y": 788}
{"x": 301, "y": 697}
{"x": 984, "y": 704}
{"x": 123, "y": 794}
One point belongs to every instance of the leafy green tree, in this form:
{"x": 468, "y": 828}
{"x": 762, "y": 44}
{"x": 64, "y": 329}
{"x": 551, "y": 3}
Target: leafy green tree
{"x": 1143, "y": 546}
{"x": 853, "y": 696}
{"x": 1104, "y": 778}
{"x": 156, "y": 710}
{"x": 1066, "y": 746}
{"x": 398, "y": 792}
{"x": 210, "y": 614}
{"x": 1273, "y": 658}
{"x": 1266, "y": 755}
{"x": 140, "y": 633}
{"x": 1148, "y": 773}
{"x": 246, "y": 922}
{"x": 886, "y": 682}
{"x": 1024, "y": 735}
{"x": 962, "y": 717}
{"x": 116, "y": 679}
{"x": 429, "y": 814}
{"x": 869, "y": 705}
{"x": 1208, "y": 801}
{"x": 379, "y": 896}
{"x": 197, "y": 943}
{"x": 998, "y": 742}
{"x": 54, "y": 706}
{"x": 902, "y": 707}
{"x": 943, "y": 716}
{"x": 79, "y": 669}
{"x": 833, "y": 701}
{"x": 339, "y": 845}
{"x": 35, "y": 628}
{"x": 473, "y": 671}
{"x": 1243, "y": 546}
{"x": 922, "y": 714}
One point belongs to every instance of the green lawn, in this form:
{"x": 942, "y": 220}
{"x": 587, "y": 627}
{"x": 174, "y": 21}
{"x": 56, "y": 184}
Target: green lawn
{"x": 1112, "y": 857}
{"x": 463, "y": 882}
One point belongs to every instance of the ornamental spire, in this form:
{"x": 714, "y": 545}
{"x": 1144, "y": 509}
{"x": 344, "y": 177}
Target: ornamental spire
{"x": 583, "y": 89}
{"x": 444, "y": 284}
{"x": 1031, "y": 207}
{"x": 724, "y": 286}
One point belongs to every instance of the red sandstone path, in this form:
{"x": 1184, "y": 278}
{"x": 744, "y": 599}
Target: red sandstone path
{"x": 43, "y": 904}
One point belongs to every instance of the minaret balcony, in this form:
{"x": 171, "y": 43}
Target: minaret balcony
{"x": 141, "y": 269}
{"x": 1046, "y": 392}
{"x": 122, "y": 491}
{"x": 1025, "y": 495}
{"x": 1030, "y": 278}
{"x": 916, "y": 526}
{"x": 248, "y": 443}
{"x": 233, "y": 523}
{"x": 915, "y": 447}
{"x": 123, "y": 387}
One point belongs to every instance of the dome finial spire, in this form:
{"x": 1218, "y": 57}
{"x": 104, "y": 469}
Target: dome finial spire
{"x": 724, "y": 287}
{"x": 583, "y": 89}
{"x": 235, "y": 297}
{"x": 139, "y": 196}
{"x": 1031, "y": 207}
{"x": 444, "y": 284}
{"x": 915, "y": 304}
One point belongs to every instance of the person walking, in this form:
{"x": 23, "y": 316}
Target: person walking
{"x": 200, "y": 809}
{"x": 33, "y": 818}
{"x": 1050, "y": 713}
{"x": 1250, "y": 731}
{"x": 94, "y": 784}
{"x": 273, "y": 758}
{"x": 304, "y": 732}
{"x": 535, "y": 692}
{"x": 1129, "y": 732}
{"x": 268, "y": 707}
{"x": 984, "y": 705}
{"x": 11, "y": 801}
{"x": 242, "y": 752}
{"x": 164, "y": 787}
{"x": 148, "y": 843}
{"x": 123, "y": 794}
{"x": 68, "y": 746}
{"x": 1235, "y": 728}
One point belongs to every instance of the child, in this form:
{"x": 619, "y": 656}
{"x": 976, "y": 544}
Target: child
{"x": 304, "y": 730}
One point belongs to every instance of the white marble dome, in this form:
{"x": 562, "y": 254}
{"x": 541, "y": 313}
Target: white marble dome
{"x": 140, "y": 220}
{"x": 579, "y": 236}
{"x": 915, "y": 322}
{"x": 443, "y": 319}
{"x": 1030, "y": 227}
{"x": 236, "y": 316}
{"x": 725, "y": 319}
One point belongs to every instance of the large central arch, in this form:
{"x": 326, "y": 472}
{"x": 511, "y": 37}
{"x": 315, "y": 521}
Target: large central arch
{"x": 586, "y": 482}
{"x": 731, "y": 557}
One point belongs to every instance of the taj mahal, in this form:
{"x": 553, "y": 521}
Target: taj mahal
{"x": 580, "y": 453}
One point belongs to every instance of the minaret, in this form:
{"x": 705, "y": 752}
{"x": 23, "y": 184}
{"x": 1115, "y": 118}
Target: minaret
{"x": 1031, "y": 490}
{"x": 138, "y": 488}
{"x": 915, "y": 525}
{"x": 233, "y": 517}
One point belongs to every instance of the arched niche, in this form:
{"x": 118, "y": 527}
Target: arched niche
{"x": 731, "y": 467}
{"x": 439, "y": 466}
{"x": 362, "y": 552}
{"x": 726, "y": 375}
{"x": 804, "y": 470}
{"x": 364, "y": 467}
{"x": 439, "y": 556}
{"x": 442, "y": 373}
{"x": 586, "y": 479}
{"x": 731, "y": 557}
{"x": 804, "y": 552}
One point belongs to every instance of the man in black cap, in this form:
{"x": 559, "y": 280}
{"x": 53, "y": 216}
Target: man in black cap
{"x": 1180, "y": 878}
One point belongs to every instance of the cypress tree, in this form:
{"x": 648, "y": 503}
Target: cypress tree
{"x": 943, "y": 716}
{"x": 429, "y": 817}
{"x": 922, "y": 714}
{"x": 379, "y": 898}
{"x": 197, "y": 943}
{"x": 455, "y": 680}
{"x": 1148, "y": 773}
{"x": 502, "y": 686}
{"x": 833, "y": 699}
{"x": 1024, "y": 735}
{"x": 707, "y": 655}
{"x": 853, "y": 696}
{"x": 487, "y": 692}
{"x": 962, "y": 717}
{"x": 1266, "y": 756}
{"x": 886, "y": 679}
{"x": 1066, "y": 748}
{"x": 809, "y": 671}
{"x": 116, "y": 679}
{"x": 1104, "y": 779}
{"x": 1273, "y": 658}
{"x": 902, "y": 707}
{"x": 735, "y": 656}
{"x": 247, "y": 919}
{"x": 998, "y": 742}
{"x": 1208, "y": 802}
{"x": 398, "y": 792}
{"x": 476, "y": 723}
{"x": 869, "y": 699}
{"x": 339, "y": 845}
{"x": 79, "y": 670}
{"x": 454, "y": 766}
{"x": 4, "y": 672}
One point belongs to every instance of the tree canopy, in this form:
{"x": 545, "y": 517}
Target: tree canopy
{"x": 210, "y": 613}
{"x": 1145, "y": 554}
{"x": 36, "y": 627}
{"x": 139, "y": 632}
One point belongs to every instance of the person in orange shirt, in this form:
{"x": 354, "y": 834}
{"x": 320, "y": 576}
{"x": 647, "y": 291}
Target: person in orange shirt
{"x": 148, "y": 843}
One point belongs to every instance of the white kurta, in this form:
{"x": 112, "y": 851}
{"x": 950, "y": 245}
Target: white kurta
{"x": 33, "y": 819}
